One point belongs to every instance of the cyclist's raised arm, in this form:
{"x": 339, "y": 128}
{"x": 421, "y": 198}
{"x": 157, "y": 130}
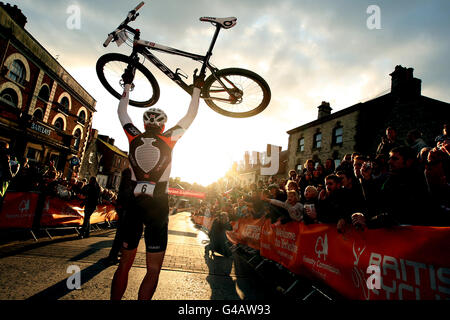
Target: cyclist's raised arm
{"x": 176, "y": 132}
{"x": 130, "y": 130}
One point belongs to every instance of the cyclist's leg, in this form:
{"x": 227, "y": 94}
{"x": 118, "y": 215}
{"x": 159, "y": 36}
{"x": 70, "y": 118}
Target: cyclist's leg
{"x": 156, "y": 235}
{"x": 120, "y": 279}
{"x": 150, "y": 281}
{"x": 132, "y": 232}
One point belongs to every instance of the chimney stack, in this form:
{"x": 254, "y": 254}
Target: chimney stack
{"x": 324, "y": 109}
{"x": 403, "y": 83}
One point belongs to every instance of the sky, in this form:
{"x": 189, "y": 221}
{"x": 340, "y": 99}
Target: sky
{"x": 308, "y": 51}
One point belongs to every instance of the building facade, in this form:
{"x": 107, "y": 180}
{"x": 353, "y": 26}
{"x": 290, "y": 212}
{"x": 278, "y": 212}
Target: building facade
{"x": 45, "y": 114}
{"x": 359, "y": 128}
{"x": 104, "y": 161}
{"x": 258, "y": 166}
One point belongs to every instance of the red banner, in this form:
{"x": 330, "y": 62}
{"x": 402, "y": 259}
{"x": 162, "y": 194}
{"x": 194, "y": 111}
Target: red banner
{"x": 250, "y": 232}
{"x": 59, "y": 212}
{"x": 406, "y": 263}
{"x": 414, "y": 263}
{"x": 186, "y": 193}
{"x": 18, "y": 210}
{"x": 281, "y": 244}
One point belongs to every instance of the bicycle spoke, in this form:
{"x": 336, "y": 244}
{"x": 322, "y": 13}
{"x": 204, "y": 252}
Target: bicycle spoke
{"x": 236, "y": 93}
{"x": 113, "y": 73}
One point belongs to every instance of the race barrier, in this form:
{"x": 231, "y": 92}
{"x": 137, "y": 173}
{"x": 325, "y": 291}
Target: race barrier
{"x": 20, "y": 209}
{"x": 406, "y": 262}
{"x": 187, "y": 193}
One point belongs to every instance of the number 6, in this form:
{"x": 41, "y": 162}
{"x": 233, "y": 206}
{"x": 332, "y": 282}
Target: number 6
{"x": 144, "y": 188}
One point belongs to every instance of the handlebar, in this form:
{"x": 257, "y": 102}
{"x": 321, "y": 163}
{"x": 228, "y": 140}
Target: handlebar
{"x": 132, "y": 15}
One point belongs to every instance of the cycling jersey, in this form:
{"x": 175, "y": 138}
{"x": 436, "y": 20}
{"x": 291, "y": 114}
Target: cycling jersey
{"x": 150, "y": 152}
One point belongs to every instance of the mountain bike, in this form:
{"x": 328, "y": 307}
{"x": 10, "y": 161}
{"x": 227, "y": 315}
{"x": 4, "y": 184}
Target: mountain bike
{"x": 232, "y": 92}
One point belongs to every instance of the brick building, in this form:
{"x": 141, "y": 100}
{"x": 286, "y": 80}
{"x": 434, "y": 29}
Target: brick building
{"x": 45, "y": 114}
{"x": 360, "y": 127}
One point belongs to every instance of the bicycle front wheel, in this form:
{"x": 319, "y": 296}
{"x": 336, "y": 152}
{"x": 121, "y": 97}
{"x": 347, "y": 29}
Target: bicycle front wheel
{"x": 236, "y": 93}
{"x": 110, "y": 68}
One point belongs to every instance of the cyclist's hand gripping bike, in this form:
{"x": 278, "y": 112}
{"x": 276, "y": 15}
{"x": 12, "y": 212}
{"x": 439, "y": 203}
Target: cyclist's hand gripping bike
{"x": 231, "y": 92}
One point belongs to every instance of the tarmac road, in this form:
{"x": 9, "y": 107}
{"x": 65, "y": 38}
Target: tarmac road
{"x": 40, "y": 270}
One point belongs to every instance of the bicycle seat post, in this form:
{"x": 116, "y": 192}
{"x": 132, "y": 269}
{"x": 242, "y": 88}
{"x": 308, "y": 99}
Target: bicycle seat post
{"x": 209, "y": 53}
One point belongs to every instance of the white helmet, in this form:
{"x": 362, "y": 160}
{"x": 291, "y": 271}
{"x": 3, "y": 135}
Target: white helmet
{"x": 155, "y": 117}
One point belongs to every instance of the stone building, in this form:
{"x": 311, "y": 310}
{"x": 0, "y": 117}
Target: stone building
{"x": 258, "y": 166}
{"x": 359, "y": 128}
{"x": 45, "y": 114}
{"x": 103, "y": 160}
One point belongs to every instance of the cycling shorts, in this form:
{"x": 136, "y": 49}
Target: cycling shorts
{"x": 149, "y": 215}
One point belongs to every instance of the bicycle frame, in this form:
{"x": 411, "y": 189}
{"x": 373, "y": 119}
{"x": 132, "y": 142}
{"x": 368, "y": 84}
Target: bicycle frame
{"x": 143, "y": 47}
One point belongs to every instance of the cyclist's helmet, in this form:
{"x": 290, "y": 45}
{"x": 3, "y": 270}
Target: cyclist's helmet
{"x": 154, "y": 117}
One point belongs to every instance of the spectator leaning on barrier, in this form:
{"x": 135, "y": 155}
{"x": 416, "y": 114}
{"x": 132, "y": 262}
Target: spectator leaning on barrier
{"x": 309, "y": 202}
{"x": 334, "y": 205}
{"x": 403, "y": 198}
{"x": 292, "y": 206}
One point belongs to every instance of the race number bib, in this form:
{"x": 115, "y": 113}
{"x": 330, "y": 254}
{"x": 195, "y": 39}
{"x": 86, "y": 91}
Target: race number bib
{"x": 144, "y": 188}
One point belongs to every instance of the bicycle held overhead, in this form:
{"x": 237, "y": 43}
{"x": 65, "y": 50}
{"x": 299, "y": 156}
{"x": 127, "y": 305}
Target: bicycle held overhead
{"x": 232, "y": 92}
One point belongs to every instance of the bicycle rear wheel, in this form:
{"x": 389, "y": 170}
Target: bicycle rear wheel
{"x": 110, "y": 68}
{"x": 236, "y": 93}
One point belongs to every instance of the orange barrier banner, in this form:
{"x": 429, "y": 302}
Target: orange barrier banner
{"x": 398, "y": 263}
{"x": 281, "y": 244}
{"x": 186, "y": 193}
{"x": 414, "y": 263}
{"x": 103, "y": 213}
{"x": 250, "y": 231}
{"x": 58, "y": 212}
{"x": 233, "y": 235}
{"x": 18, "y": 210}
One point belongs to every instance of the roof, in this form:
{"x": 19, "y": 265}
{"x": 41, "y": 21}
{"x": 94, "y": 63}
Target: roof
{"x": 114, "y": 148}
{"x": 338, "y": 114}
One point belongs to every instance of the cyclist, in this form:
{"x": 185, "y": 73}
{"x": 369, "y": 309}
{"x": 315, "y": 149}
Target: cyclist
{"x": 150, "y": 156}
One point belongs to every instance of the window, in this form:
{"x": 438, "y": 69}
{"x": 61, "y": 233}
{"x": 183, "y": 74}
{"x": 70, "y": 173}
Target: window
{"x": 55, "y": 158}
{"x": 10, "y": 97}
{"x": 64, "y": 105}
{"x": 301, "y": 145}
{"x": 38, "y": 115}
{"x": 44, "y": 94}
{"x": 337, "y": 135}
{"x": 317, "y": 143}
{"x": 82, "y": 117}
{"x": 33, "y": 154}
{"x": 17, "y": 72}
{"x": 299, "y": 168}
{"x": 59, "y": 124}
{"x": 77, "y": 136}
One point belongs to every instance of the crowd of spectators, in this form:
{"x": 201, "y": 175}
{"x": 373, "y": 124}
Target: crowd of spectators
{"x": 402, "y": 184}
{"x": 27, "y": 176}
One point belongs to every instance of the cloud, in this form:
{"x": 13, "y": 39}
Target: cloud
{"x": 308, "y": 51}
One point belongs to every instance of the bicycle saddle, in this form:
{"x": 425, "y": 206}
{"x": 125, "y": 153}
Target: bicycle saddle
{"x": 225, "y": 23}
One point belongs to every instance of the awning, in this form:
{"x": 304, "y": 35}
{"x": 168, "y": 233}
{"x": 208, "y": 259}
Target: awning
{"x": 114, "y": 148}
